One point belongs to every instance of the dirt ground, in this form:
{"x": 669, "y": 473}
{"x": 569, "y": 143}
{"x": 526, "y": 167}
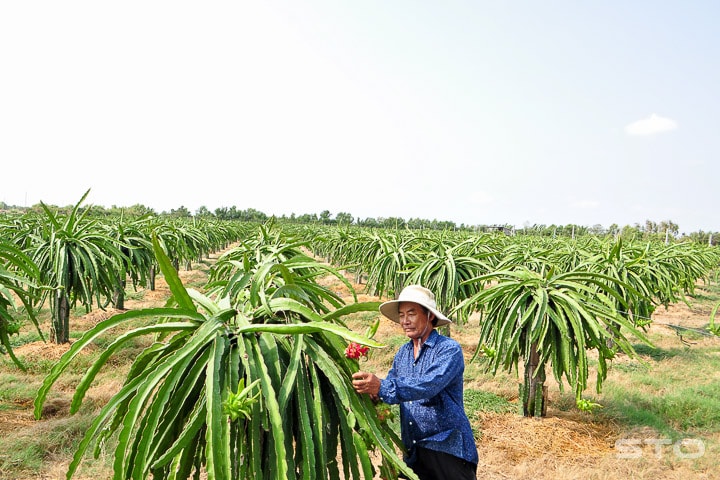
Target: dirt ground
{"x": 563, "y": 445}
{"x": 569, "y": 444}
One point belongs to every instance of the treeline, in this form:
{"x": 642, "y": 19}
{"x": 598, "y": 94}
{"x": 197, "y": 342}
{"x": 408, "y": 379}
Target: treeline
{"x": 665, "y": 230}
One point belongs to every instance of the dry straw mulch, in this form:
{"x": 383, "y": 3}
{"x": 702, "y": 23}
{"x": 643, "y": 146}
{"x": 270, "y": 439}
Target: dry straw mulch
{"x": 519, "y": 437}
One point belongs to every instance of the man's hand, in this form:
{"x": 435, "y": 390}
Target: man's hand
{"x": 366, "y": 382}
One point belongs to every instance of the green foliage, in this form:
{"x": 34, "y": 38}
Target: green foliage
{"x": 28, "y": 451}
{"x": 268, "y": 266}
{"x": 170, "y": 418}
{"x": 675, "y": 413}
{"x": 712, "y": 327}
{"x": 585, "y": 405}
{"x": 78, "y": 260}
{"x": 133, "y": 238}
{"x": 14, "y": 390}
{"x": 488, "y": 352}
{"x": 477, "y": 401}
{"x": 677, "y": 393}
{"x": 559, "y": 316}
{"x": 563, "y": 296}
{"x": 445, "y": 270}
{"x": 240, "y": 403}
{"x": 18, "y": 277}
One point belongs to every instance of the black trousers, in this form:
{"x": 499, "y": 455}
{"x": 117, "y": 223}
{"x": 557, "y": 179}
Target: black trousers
{"x": 434, "y": 465}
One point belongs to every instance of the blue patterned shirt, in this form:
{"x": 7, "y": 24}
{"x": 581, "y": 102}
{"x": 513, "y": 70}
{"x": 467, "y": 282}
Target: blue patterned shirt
{"x": 429, "y": 390}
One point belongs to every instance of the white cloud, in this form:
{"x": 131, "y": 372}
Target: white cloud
{"x": 651, "y": 125}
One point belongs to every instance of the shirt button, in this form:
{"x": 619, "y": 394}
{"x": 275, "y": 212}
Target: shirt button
{"x": 414, "y": 441}
{"x": 409, "y": 423}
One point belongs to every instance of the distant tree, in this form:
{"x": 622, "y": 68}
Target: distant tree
{"x": 578, "y": 230}
{"x": 97, "y": 211}
{"x": 703, "y": 238}
{"x": 325, "y": 217}
{"x": 650, "y": 227}
{"x": 417, "y": 223}
{"x": 538, "y": 229}
{"x": 222, "y": 213}
{"x": 203, "y": 212}
{"x": 37, "y": 208}
{"x": 369, "y": 222}
{"x": 140, "y": 210}
{"x": 443, "y": 225}
{"x": 181, "y": 212}
{"x": 252, "y": 215}
{"x": 669, "y": 226}
{"x": 137, "y": 210}
{"x": 343, "y": 218}
{"x": 597, "y": 229}
{"x": 392, "y": 222}
{"x": 307, "y": 218}
{"x": 631, "y": 233}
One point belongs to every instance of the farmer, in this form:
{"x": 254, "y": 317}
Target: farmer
{"x": 426, "y": 379}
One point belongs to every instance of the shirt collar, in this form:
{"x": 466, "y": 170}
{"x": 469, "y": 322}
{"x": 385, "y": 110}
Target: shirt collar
{"x": 432, "y": 338}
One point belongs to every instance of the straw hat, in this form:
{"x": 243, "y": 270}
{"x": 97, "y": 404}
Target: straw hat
{"x": 417, "y": 294}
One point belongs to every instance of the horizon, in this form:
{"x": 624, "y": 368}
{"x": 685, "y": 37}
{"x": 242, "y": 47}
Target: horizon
{"x": 477, "y": 112}
{"x": 357, "y": 220}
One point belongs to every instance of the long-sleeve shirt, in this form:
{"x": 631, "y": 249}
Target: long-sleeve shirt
{"x": 429, "y": 390}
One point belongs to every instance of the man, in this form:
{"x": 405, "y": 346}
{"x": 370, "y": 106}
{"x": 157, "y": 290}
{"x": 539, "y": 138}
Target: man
{"x": 426, "y": 379}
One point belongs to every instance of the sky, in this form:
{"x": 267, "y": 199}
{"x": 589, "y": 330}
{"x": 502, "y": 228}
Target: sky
{"x": 478, "y": 112}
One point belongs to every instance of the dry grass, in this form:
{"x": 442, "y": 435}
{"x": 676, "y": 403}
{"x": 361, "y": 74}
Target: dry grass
{"x": 567, "y": 444}
{"x": 570, "y": 444}
{"x": 56, "y": 425}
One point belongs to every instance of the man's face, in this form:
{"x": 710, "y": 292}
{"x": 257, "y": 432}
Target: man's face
{"x": 414, "y": 320}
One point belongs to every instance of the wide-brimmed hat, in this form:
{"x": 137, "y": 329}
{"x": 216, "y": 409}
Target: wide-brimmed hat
{"x": 417, "y": 294}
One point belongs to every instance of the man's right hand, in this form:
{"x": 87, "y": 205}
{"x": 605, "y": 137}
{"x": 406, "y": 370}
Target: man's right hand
{"x": 366, "y": 382}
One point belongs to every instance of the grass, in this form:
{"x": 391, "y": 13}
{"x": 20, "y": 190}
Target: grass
{"x": 481, "y": 401}
{"x": 135, "y": 295}
{"x": 14, "y": 389}
{"x": 671, "y": 390}
{"x": 707, "y": 294}
{"x": 31, "y": 450}
{"x": 27, "y": 452}
{"x": 677, "y": 391}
